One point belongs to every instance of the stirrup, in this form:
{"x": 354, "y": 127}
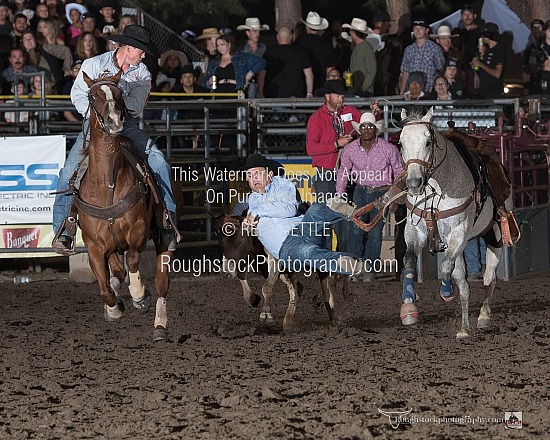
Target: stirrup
{"x": 65, "y": 249}
{"x": 509, "y": 228}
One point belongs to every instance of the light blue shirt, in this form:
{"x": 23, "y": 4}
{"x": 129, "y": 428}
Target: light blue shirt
{"x": 277, "y": 209}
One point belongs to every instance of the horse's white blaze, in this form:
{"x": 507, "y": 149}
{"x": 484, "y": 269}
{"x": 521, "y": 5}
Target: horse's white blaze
{"x": 137, "y": 289}
{"x": 112, "y": 112}
{"x": 161, "y": 316}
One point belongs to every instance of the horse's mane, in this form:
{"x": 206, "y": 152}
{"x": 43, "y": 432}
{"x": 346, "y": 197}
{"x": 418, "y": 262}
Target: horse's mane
{"x": 414, "y": 115}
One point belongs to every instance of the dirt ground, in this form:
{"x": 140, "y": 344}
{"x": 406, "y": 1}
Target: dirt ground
{"x": 65, "y": 373}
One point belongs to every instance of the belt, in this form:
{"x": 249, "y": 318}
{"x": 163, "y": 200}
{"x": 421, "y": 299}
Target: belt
{"x": 227, "y": 81}
{"x": 372, "y": 189}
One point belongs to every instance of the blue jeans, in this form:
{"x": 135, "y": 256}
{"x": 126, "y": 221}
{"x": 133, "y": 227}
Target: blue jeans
{"x": 369, "y": 251}
{"x": 145, "y": 148}
{"x": 325, "y": 187}
{"x": 306, "y": 243}
{"x": 472, "y": 257}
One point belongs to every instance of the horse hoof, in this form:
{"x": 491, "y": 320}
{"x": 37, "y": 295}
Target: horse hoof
{"x": 463, "y": 334}
{"x": 408, "y": 314}
{"x": 333, "y": 327}
{"x": 160, "y": 334}
{"x": 483, "y": 323}
{"x": 144, "y": 303}
{"x": 255, "y": 300}
{"x": 448, "y": 299}
{"x": 115, "y": 312}
{"x": 266, "y": 316}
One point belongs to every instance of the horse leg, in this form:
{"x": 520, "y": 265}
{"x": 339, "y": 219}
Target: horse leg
{"x": 327, "y": 284}
{"x": 409, "y": 312}
{"x": 141, "y": 297}
{"x": 113, "y": 306}
{"x": 457, "y": 268}
{"x": 267, "y": 288}
{"x": 162, "y": 283}
{"x": 249, "y": 297}
{"x": 294, "y": 291}
{"x": 489, "y": 282}
{"x": 118, "y": 272}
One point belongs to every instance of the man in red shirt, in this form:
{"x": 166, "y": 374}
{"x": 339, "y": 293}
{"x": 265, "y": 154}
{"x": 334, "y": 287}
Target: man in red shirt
{"x": 329, "y": 130}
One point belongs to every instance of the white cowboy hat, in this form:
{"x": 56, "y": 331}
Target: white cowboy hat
{"x": 252, "y": 24}
{"x": 80, "y": 8}
{"x": 315, "y": 21}
{"x": 359, "y": 25}
{"x": 443, "y": 31}
{"x": 368, "y": 117}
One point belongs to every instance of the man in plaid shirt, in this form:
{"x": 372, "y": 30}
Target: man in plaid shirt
{"x": 423, "y": 55}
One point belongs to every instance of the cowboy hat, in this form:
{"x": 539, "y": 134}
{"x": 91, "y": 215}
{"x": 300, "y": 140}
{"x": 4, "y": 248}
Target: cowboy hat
{"x": 443, "y": 31}
{"x": 259, "y": 161}
{"x": 136, "y": 36}
{"x": 315, "y": 21}
{"x": 180, "y": 55}
{"x": 358, "y": 25}
{"x": 336, "y": 86}
{"x": 69, "y": 6}
{"x": 208, "y": 33}
{"x": 368, "y": 117}
{"x": 252, "y": 24}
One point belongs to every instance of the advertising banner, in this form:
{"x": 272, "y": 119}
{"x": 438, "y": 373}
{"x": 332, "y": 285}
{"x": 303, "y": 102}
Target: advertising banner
{"x": 29, "y": 168}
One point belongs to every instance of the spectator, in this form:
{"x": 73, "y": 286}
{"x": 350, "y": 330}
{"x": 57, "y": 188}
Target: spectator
{"x": 415, "y": 86}
{"x": 333, "y": 74}
{"x": 233, "y": 70}
{"x": 73, "y": 13}
{"x": 456, "y": 85}
{"x": 207, "y": 43}
{"x": 88, "y": 25}
{"x": 6, "y": 26}
{"x": 36, "y": 86}
{"x": 12, "y": 117}
{"x": 470, "y": 33}
{"x": 444, "y": 38}
{"x": 422, "y": 55}
{"x": 86, "y": 47}
{"x": 72, "y": 115}
{"x": 491, "y": 64}
{"x": 441, "y": 90}
{"x": 545, "y": 77}
{"x": 53, "y": 58}
{"x": 125, "y": 20}
{"x": 535, "y": 56}
{"x": 319, "y": 50}
{"x": 47, "y": 33}
{"x": 107, "y": 22}
{"x": 287, "y": 67}
{"x": 188, "y": 82}
{"x": 371, "y": 164}
{"x": 252, "y": 28}
{"x": 363, "y": 60}
{"x": 17, "y": 61}
{"x": 171, "y": 62}
{"x": 341, "y": 44}
{"x": 20, "y": 25}
{"x": 55, "y": 9}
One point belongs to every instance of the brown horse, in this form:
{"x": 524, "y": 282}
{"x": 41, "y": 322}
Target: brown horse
{"x": 117, "y": 209}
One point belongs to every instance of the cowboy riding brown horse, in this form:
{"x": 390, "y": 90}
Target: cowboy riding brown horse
{"x": 118, "y": 208}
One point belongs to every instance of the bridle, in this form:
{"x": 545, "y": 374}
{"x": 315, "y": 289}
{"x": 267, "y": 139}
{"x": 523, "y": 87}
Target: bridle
{"x": 99, "y": 115}
{"x": 429, "y": 164}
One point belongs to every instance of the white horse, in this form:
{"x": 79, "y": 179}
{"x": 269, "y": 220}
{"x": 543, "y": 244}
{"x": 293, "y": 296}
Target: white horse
{"x": 442, "y": 210}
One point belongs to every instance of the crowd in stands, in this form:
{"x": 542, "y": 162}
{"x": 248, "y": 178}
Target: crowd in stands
{"x": 54, "y": 36}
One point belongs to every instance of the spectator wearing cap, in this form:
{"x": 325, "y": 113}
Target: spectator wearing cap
{"x": 491, "y": 63}
{"x": 456, "y": 85}
{"x": 6, "y": 26}
{"x": 415, "y": 86}
{"x": 534, "y": 55}
{"x": 319, "y": 50}
{"x": 445, "y": 39}
{"x": 107, "y": 22}
{"x": 288, "y": 71}
{"x": 329, "y": 130}
{"x": 422, "y": 55}
{"x": 470, "y": 33}
{"x": 171, "y": 62}
{"x": 72, "y": 115}
{"x": 363, "y": 60}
